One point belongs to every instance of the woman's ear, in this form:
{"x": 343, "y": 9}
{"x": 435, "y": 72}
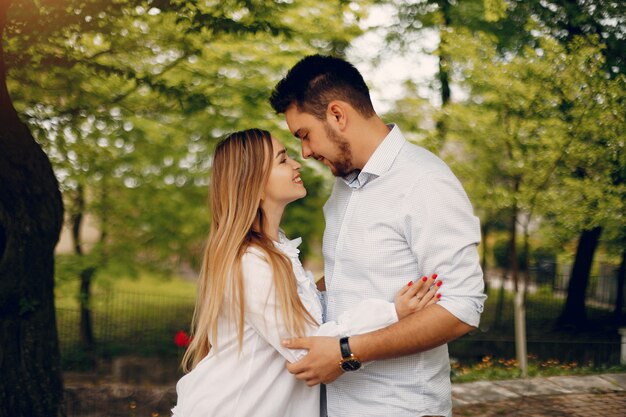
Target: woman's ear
{"x": 337, "y": 115}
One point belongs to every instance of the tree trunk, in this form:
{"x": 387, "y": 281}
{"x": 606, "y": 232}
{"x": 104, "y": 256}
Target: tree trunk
{"x": 444, "y": 64}
{"x": 525, "y": 267}
{"x": 499, "y": 313}
{"x": 444, "y": 68}
{"x": 484, "y": 234}
{"x": 519, "y": 310}
{"x": 31, "y": 215}
{"x": 574, "y": 313}
{"x": 513, "y": 247}
{"x": 619, "y": 299}
{"x": 86, "y": 325}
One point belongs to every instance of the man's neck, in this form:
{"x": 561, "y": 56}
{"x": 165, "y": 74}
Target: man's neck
{"x": 368, "y": 136}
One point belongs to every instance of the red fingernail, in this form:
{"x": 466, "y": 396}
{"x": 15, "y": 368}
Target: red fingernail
{"x": 410, "y": 283}
{"x": 434, "y": 276}
{"x": 424, "y": 279}
{"x": 438, "y": 295}
{"x": 439, "y": 283}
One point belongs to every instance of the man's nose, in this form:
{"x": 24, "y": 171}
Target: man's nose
{"x": 306, "y": 151}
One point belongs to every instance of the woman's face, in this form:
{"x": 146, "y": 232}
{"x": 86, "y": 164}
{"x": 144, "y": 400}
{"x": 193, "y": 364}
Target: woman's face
{"x": 284, "y": 184}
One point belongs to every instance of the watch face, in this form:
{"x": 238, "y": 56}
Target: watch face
{"x": 350, "y": 365}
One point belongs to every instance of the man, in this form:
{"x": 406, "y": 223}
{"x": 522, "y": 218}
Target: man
{"x": 396, "y": 211}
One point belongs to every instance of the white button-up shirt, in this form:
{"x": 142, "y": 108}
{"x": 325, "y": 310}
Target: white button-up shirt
{"x": 255, "y": 381}
{"x": 403, "y": 216}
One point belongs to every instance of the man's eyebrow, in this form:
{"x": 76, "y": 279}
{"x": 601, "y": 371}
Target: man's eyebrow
{"x": 281, "y": 152}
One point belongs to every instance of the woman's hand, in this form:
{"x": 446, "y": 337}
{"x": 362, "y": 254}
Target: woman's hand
{"x": 416, "y": 295}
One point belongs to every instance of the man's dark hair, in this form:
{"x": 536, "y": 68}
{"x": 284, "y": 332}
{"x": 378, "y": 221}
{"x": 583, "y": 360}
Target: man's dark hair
{"x": 315, "y": 81}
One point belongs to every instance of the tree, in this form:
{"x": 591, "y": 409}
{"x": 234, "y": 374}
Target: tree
{"x": 415, "y": 18}
{"x": 126, "y": 96}
{"x": 134, "y": 97}
{"x": 512, "y": 29}
{"x": 31, "y": 214}
{"x": 603, "y": 21}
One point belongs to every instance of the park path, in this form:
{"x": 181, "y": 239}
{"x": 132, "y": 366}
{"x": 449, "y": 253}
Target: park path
{"x": 559, "y": 396}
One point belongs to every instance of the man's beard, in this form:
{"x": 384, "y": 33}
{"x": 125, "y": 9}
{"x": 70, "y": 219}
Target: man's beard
{"x": 342, "y": 166}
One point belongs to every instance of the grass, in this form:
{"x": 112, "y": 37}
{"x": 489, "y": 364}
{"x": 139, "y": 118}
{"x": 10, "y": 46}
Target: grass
{"x": 499, "y": 369}
{"x": 138, "y": 316}
{"x": 66, "y": 293}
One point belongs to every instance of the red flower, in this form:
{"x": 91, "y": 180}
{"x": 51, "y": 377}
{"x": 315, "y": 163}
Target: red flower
{"x": 182, "y": 339}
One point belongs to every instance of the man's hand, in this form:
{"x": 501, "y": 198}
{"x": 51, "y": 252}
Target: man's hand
{"x": 321, "y": 364}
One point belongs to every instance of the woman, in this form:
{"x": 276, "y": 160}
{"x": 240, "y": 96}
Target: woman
{"x": 253, "y": 292}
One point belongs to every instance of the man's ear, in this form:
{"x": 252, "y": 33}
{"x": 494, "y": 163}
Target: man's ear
{"x": 337, "y": 115}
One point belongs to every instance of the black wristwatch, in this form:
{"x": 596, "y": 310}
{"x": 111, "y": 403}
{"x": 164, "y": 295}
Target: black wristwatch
{"x": 349, "y": 362}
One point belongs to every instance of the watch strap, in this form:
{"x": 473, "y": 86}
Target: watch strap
{"x": 345, "y": 347}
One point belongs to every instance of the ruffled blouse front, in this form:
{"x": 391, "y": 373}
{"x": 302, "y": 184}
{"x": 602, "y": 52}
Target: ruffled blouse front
{"x": 253, "y": 380}
{"x": 311, "y": 298}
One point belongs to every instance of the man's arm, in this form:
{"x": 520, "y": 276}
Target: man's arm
{"x": 420, "y": 331}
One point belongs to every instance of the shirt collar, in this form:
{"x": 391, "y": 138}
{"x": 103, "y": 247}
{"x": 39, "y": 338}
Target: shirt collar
{"x": 380, "y": 161}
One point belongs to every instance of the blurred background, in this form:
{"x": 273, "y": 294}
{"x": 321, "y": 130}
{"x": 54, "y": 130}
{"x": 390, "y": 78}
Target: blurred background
{"x": 523, "y": 99}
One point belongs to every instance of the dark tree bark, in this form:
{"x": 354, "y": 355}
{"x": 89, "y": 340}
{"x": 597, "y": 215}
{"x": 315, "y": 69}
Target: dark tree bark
{"x": 574, "y": 313}
{"x": 444, "y": 67}
{"x": 86, "y": 324}
{"x": 619, "y": 299}
{"x": 484, "y": 233}
{"x": 513, "y": 270}
{"x": 499, "y": 316}
{"x": 513, "y": 247}
{"x": 31, "y": 215}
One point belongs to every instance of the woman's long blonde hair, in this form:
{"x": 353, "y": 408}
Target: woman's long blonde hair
{"x": 241, "y": 166}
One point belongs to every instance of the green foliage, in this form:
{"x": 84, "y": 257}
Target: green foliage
{"x": 129, "y": 98}
{"x": 501, "y": 254}
{"x": 539, "y": 130}
{"x": 412, "y": 113}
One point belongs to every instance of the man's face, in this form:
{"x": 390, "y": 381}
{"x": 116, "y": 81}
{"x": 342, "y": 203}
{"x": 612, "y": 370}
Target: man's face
{"x": 320, "y": 141}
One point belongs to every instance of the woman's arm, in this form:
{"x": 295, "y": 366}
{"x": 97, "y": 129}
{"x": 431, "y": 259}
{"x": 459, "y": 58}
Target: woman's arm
{"x": 373, "y": 314}
{"x": 263, "y": 313}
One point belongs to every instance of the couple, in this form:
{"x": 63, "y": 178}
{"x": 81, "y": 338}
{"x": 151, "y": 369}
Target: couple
{"x": 396, "y": 212}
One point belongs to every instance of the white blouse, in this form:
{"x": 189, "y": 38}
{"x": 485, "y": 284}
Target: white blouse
{"x": 255, "y": 381}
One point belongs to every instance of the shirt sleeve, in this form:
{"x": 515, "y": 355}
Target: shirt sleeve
{"x": 444, "y": 234}
{"x": 263, "y": 312}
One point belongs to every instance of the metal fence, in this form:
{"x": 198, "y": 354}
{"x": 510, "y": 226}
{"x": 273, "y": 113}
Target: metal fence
{"x": 139, "y": 324}
{"x": 134, "y": 335}
{"x": 598, "y": 342}
{"x": 124, "y": 323}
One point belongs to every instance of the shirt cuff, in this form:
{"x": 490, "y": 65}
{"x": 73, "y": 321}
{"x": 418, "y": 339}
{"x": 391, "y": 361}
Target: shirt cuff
{"x": 459, "y": 309}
